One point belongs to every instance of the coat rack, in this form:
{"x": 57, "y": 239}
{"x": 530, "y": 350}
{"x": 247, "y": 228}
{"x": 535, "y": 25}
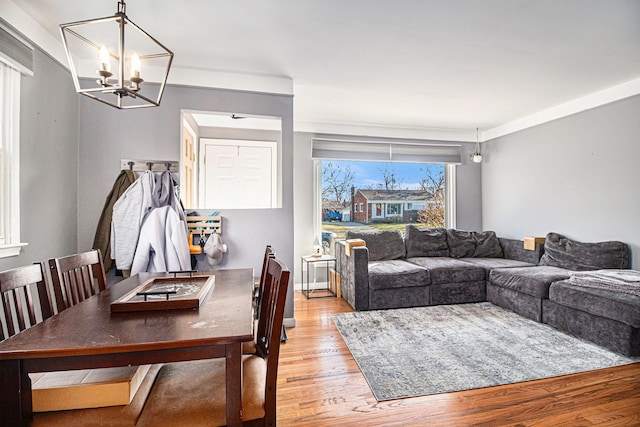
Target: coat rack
{"x": 152, "y": 165}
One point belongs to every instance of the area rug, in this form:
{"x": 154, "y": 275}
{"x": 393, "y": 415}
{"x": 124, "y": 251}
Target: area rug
{"x": 429, "y": 350}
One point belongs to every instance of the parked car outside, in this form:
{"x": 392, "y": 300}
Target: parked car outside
{"x": 333, "y": 216}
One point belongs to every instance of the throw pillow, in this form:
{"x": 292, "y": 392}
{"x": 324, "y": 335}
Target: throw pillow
{"x": 461, "y": 243}
{"x": 560, "y": 251}
{"x": 382, "y": 244}
{"x": 487, "y": 245}
{"x": 425, "y": 242}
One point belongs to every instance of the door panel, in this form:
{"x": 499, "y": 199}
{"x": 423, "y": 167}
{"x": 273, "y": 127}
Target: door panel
{"x": 237, "y": 176}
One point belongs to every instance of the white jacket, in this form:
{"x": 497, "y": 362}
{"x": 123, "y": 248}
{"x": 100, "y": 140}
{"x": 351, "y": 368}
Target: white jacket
{"x": 163, "y": 244}
{"x": 129, "y": 211}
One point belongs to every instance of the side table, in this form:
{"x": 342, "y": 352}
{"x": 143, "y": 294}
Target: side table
{"x": 310, "y": 261}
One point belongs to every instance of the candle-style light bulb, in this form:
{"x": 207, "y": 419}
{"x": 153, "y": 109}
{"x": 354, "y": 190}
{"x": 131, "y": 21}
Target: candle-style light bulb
{"x": 135, "y": 65}
{"x": 105, "y": 63}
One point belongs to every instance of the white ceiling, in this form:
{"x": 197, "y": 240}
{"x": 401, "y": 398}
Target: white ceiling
{"x": 449, "y": 65}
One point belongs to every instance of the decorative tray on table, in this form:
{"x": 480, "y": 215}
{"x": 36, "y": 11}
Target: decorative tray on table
{"x": 166, "y": 293}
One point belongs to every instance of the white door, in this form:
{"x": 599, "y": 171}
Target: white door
{"x": 188, "y": 167}
{"x": 238, "y": 174}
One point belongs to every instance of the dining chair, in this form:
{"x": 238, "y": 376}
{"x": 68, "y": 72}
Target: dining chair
{"x": 269, "y": 252}
{"x": 19, "y": 310}
{"x": 250, "y": 347}
{"x": 193, "y": 393}
{"x": 77, "y": 277}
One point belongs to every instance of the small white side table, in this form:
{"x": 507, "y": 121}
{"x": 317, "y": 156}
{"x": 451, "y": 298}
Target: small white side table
{"x": 309, "y": 261}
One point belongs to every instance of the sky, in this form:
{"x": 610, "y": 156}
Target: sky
{"x": 369, "y": 175}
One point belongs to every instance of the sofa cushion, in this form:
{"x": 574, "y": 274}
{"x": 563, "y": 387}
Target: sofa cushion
{"x": 461, "y": 243}
{"x": 490, "y": 263}
{"x": 382, "y": 244}
{"x": 397, "y": 274}
{"x": 619, "y": 306}
{"x": 560, "y": 251}
{"x": 426, "y": 241}
{"x": 482, "y": 244}
{"x": 449, "y": 270}
{"x": 534, "y": 281}
{"x": 487, "y": 245}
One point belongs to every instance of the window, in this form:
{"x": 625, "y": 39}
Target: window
{"x": 393, "y": 208}
{"x": 16, "y": 57}
{"x": 400, "y": 183}
{"x": 9, "y": 162}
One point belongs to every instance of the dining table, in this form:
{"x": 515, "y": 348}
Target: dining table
{"x": 89, "y": 335}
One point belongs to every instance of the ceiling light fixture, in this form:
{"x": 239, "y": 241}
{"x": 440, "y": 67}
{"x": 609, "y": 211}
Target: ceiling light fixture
{"x": 94, "y": 45}
{"x": 476, "y": 157}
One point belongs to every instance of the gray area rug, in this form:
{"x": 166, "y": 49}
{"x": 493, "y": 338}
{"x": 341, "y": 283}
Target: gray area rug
{"x": 429, "y": 350}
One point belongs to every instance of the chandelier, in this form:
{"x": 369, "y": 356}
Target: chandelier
{"x": 112, "y": 60}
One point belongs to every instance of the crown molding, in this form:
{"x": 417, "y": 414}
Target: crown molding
{"x": 597, "y": 99}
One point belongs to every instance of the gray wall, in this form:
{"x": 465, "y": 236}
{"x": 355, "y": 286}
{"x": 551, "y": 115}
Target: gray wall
{"x": 107, "y": 135}
{"x": 48, "y": 164}
{"x": 577, "y": 176}
{"x": 469, "y": 203}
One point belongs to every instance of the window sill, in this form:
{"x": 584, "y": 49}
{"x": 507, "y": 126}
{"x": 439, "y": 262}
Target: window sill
{"x": 10, "y": 250}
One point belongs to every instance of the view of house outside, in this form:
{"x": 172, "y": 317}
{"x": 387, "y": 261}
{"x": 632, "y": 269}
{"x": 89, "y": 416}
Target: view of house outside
{"x": 383, "y": 195}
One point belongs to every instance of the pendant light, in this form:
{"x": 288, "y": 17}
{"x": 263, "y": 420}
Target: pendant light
{"x": 476, "y": 157}
{"x": 112, "y": 60}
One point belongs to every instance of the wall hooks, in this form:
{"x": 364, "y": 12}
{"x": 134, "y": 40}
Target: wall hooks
{"x": 149, "y": 165}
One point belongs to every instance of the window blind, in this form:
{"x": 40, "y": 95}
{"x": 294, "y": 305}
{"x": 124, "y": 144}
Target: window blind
{"x": 15, "y": 52}
{"x": 385, "y": 151}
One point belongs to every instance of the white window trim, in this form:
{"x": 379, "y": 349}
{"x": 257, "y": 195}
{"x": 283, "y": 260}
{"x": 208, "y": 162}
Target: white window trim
{"x": 10, "y": 116}
{"x": 450, "y": 196}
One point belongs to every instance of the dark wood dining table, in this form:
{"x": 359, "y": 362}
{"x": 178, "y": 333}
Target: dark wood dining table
{"x": 88, "y": 335}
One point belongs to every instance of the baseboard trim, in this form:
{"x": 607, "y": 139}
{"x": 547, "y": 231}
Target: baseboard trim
{"x": 289, "y": 322}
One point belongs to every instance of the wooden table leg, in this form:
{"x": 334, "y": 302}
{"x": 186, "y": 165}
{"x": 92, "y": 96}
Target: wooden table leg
{"x": 15, "y": 389}
{"x": 234, "y": 384}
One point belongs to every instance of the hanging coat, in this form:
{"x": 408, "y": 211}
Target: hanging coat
{"x": 163, "y": 244}
{"x": 166, "y": 194}
{"x": 129, "y": 213}
{"x": 102, "y": 238}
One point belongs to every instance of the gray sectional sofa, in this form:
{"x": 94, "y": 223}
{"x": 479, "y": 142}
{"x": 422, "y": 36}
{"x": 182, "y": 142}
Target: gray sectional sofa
{"x": 426, "y": 267}
{"x": 440, "y": 266}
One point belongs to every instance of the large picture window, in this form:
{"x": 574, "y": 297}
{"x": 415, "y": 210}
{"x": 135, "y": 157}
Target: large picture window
{"x": 360, "y": 194}
{"x": 379, "y": 183}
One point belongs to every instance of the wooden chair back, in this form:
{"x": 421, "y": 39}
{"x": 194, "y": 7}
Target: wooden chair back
{"x": 19, "y": 311}
{"x": 271, "y": 318}
{"x": 77, "y": 277}
{"x": 268, "y": 254}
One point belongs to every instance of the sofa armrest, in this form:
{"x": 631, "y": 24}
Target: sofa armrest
{"x": 354, "y": 275}
{"x": 514, "y": 249}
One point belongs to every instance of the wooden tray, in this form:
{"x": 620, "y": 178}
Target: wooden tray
{"x": 166, "y": 293}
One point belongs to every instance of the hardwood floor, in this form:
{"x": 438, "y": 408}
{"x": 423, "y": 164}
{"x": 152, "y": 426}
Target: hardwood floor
{"x": 319, "y": 384}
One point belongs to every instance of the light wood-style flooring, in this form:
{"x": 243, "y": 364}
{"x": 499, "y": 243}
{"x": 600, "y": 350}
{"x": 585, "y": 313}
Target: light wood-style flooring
{"x": 319, "y": 384}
